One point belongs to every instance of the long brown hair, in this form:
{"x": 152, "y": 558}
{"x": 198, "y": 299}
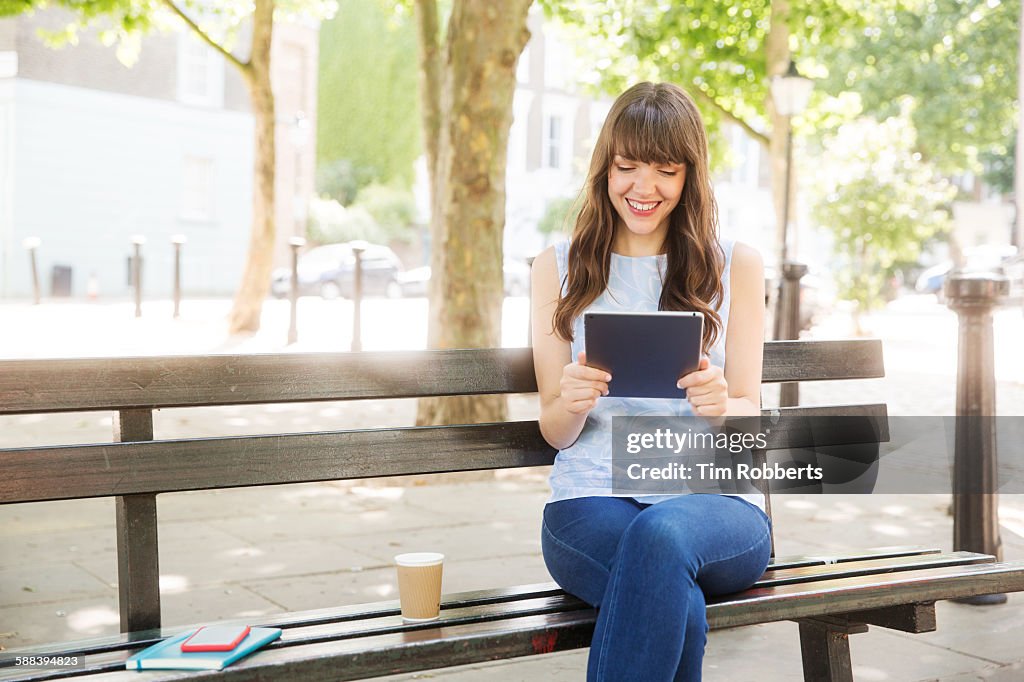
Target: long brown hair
{"x": 650, "y": 123}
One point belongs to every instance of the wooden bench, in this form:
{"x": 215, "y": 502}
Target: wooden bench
{"x": 830, "y": 598}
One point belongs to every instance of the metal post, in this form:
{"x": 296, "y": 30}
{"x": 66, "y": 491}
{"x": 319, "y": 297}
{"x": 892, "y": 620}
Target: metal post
{"x": 790, "y": 312}
{"x": 295, "y": 243}
{"x": 137, "y": 242}
{"x": 177, "y": 240}
{"x": 975, "y": 469}
{"x": 32, "y": 245}
{"x": 357, "y": 299}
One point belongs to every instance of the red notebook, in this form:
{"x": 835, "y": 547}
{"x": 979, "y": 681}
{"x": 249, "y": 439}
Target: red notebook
{"x": 216, "y": 638}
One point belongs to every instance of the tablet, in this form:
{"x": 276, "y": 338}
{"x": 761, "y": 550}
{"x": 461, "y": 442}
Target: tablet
{"x": 646, "y": 353}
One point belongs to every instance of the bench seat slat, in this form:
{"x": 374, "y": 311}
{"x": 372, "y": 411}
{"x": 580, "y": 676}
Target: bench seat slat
{"x": 79, "y": 384}
{"x": 863, "y": 593}
{"x": 370, "y": 619}
{"x": 803, "y": 574}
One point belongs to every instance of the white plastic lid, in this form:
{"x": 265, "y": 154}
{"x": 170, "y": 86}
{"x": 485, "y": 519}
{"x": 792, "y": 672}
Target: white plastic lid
{"x": 419, "y": 559}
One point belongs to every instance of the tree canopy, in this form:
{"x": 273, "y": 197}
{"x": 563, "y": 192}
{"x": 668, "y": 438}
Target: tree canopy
{"x": 368, "y": 104}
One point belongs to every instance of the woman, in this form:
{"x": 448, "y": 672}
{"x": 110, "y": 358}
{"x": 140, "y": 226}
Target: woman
{"x": 647, "y": 239}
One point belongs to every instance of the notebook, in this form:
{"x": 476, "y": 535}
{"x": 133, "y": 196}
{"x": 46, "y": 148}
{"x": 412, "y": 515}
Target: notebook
{"x": 167, "y": 655}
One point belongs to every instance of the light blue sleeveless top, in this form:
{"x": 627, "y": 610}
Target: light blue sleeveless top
{"x": 634, "y": 284}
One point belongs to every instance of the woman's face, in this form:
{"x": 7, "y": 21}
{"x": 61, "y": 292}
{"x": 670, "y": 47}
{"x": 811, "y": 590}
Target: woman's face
{"x": 643, "y": 194}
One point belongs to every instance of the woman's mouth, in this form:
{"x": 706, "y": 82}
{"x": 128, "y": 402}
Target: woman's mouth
{"x": 642, "y": 208}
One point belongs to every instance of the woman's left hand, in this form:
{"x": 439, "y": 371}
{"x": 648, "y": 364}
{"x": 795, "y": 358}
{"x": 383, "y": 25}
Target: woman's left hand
{"x": 706, "y": 389}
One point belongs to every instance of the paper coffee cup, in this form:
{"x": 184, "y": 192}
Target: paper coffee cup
{"x": 419, "y": 585}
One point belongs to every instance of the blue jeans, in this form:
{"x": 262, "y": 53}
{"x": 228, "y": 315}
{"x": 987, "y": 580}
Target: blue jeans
{"x": 647, "y": 568}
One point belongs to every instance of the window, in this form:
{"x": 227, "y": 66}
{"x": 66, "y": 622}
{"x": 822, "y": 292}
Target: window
{"x": 200, "y": 73}
{"x": 197, "y": 189}
{"x": 553, "y": 142}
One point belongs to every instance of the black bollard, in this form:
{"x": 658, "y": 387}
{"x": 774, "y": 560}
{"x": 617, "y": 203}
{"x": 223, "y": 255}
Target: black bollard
{"x": 295, "y": 243}
{"x": 177, "y": 240}
{"x": 31, "y": 244}
{"x": 357, "y": 297}
{"x": 137, "y": 242}
{"x": 789, "y": 393}
{"x": 975, "y": 469}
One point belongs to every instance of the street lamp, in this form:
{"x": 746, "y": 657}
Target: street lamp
{"x": 790, "y": 93}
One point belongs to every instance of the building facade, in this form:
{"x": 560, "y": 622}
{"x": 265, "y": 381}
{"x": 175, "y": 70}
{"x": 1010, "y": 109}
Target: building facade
{"x": 93, "y": 153}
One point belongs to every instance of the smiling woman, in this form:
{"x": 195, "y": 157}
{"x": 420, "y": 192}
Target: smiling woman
{"x": 646, "y": 240}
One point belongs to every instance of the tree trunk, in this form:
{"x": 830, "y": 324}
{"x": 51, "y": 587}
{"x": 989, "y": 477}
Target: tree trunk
{"x": 245, "y": 313}
{"x": 483, "y": 44}
{"x": 1018, "y": 175}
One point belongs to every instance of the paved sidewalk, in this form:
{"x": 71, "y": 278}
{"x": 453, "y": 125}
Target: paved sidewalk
{"x": 330, "y": 544}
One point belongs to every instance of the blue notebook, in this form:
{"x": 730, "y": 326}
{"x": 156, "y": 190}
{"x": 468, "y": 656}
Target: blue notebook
{"x": 167, "y": 655}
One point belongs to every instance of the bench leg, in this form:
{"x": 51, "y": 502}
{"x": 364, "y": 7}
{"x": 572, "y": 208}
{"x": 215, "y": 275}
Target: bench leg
{"x": 825, "y": 649}
{"x": 138, "y": 564}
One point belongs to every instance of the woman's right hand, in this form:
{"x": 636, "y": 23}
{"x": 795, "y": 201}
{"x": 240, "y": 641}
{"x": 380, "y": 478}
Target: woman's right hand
{"x": 581, "y": 386}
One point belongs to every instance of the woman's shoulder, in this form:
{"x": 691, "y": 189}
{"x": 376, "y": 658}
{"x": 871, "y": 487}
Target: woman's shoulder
{"x": 744, "y": 256}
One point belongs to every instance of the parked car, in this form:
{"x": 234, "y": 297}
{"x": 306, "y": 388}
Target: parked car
{"x": 415, "y": 282}
{"x": 931, "y": 280}
{"x": 1001, "y": 258}
{"x": 329, "y": 271}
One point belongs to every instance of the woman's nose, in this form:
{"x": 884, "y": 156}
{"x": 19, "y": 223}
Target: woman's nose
{"x": 644, "y": 182}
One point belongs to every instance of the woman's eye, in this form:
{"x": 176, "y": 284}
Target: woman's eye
{"x": 668, "y": 173}
{"x": 624, "y": 169}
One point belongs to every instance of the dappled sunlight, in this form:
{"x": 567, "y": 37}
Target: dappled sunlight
{"x": 382, "y": 590}
{"x": 93, "y": 620}
{"x": 894, "y": 510}
{"x": 173, "y": 584}
{"x": 312, "y": 492}
{"x": 270, "y": 569}
{"x": 799, "y": 504}
{"x": 243, "y": 552}
{"x": 890, "y": 530}
{"x": 30, "y": 418}
{"x": 237, "y": 421}
{"x": 282, "y": 407}
{"x": 329, "y": 412}
{"x": 866, "y": 674}
{"x": 378, "y": 493}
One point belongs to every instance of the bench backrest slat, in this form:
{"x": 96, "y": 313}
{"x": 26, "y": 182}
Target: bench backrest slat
{"x": 72, "y": 385}
{"x": 35, "y": 474}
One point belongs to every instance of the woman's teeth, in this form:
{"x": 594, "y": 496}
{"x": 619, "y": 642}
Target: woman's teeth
{"x": 642, "y": 207}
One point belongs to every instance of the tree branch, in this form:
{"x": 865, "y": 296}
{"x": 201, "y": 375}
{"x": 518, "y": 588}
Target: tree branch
{"x": 243, "y": 66}
{"x": 733, "y": 118}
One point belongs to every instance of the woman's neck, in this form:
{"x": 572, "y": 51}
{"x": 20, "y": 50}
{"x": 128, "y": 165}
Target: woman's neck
{"x": 627, "y": 243}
